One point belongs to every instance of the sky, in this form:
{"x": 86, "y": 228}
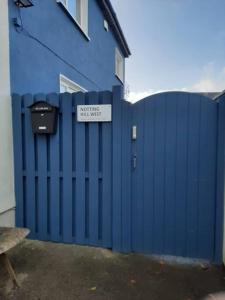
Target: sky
{"x": 175, "y": 45}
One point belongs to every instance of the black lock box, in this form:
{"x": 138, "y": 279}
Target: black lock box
{"x": 43, "y": 117}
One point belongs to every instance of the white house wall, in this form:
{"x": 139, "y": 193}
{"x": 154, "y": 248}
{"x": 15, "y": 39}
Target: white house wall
{"x": 7, "y": 198}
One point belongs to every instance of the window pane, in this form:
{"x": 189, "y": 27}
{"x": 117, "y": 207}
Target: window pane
{"x": 69, "y": 86}
{"x": 62, "y": 88}
{"x": 72, "y": 7}
{"x": 72, "y": 90}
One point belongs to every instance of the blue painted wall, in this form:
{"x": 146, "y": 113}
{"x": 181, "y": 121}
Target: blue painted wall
{"x": 34, "y": 68}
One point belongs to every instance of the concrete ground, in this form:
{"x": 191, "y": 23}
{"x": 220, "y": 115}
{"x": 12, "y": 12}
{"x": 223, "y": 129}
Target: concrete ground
{"x": 56, "y": 271}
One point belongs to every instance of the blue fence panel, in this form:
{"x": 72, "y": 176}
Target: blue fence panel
{"x": 149, "y": 170}
{"x": 94, "y": 175}
{"x": 219, "y": 201}
{"x": 106, "y": 169}
{"x": 18, "y": 134}
{"x": 92, "y": 184}
{"x": 170, "y": 173}
{"x": 80, "y": 187}
{"x": 192, "y": 173}
{"x": 117, "y": 170}
{"x": 64, "y": 181}
{"x": 54, "y": 177}
{"x": 126, "y": 206}
{"x": 137, "y": 179}
{"x": 30, "y": 188}
{"x": 67, "y": 140}
{"x": 182, "y": 139}
{"x": 207, "y": 178}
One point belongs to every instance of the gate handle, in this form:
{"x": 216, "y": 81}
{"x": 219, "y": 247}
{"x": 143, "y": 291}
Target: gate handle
{"x": 134, "y": 161}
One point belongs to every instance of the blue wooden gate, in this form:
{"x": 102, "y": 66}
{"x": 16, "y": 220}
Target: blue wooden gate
{"x": 175, "y": 200}
{"x": 81, "y": 185}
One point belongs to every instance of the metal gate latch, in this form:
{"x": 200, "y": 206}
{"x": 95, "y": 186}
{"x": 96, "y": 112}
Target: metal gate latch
{"x": 134, "y": 161}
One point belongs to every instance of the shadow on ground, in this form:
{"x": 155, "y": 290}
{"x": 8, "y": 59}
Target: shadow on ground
{"x": 56, "y": 271}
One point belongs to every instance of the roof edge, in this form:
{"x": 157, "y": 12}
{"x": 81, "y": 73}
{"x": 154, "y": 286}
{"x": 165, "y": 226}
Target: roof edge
{"x": 111, "y": 17}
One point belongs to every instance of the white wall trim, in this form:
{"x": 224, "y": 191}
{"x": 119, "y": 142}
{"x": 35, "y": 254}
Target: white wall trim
{"x": 7, "y": 196}
{"x": 119, "y": 65}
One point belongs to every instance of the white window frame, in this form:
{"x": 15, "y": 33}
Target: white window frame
{"x": 119, "y": 65}
{"x": 106, "y": 25}
{"x": 81, "y": 18}
{"x": 69, "y": 85}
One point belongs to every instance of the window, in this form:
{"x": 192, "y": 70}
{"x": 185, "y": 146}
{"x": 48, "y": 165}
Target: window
{"x": 119, "y": 65}
{"x": 69, "y": 86}
{"x": 78, "y": 9}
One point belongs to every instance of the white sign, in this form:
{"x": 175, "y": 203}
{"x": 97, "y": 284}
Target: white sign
{"x": 94, "y": 113}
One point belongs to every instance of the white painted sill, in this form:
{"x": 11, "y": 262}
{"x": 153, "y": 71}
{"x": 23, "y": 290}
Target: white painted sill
{"x": 73, "y": 19}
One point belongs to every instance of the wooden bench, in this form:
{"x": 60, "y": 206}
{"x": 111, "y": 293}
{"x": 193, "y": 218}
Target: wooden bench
{"x": 9, "y": 238}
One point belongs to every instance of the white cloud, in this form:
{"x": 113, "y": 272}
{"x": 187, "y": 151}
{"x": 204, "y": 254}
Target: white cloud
{"x": 135, "y": 96}
{"x": 207, "y": 85}
{"x": 211, "y": 80}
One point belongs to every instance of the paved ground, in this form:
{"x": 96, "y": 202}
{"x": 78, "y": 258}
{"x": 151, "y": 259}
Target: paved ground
{"x": 55, "y": 271}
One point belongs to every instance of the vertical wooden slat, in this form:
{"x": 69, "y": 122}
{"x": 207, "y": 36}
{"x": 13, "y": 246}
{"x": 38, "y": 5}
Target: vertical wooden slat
{"x": 42, "y": 204}
{"x": 80, "y": 174}
{"x": 207, "y": 187}
{"x": 170, "y": 172}
{"x": 137, "y": 193}
{"x": 126, "y": 176}
{"x": 106, "y": 177}
{"x": 148, "y": 180}
{"x": 181, "y": 172}
{"x": 66, "y": 104}
{"x": 159, "y": 175}
{"x": 30, "y": 168}
{"x": 54, "y": 177}
{"x": 18, "y": 158}
{"x": 74, "y": 124}
{"x": 93, "y": 175}
{"x": 211, "y": 158}
{"x": 192, "y": 185}
{"x": 116, "y": 164}
{"x": 219, "y": 215}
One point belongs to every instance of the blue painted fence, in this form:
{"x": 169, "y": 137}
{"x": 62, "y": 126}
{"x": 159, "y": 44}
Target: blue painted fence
{"x": 177, "y": 208}
{"x": 81, "y": 186}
